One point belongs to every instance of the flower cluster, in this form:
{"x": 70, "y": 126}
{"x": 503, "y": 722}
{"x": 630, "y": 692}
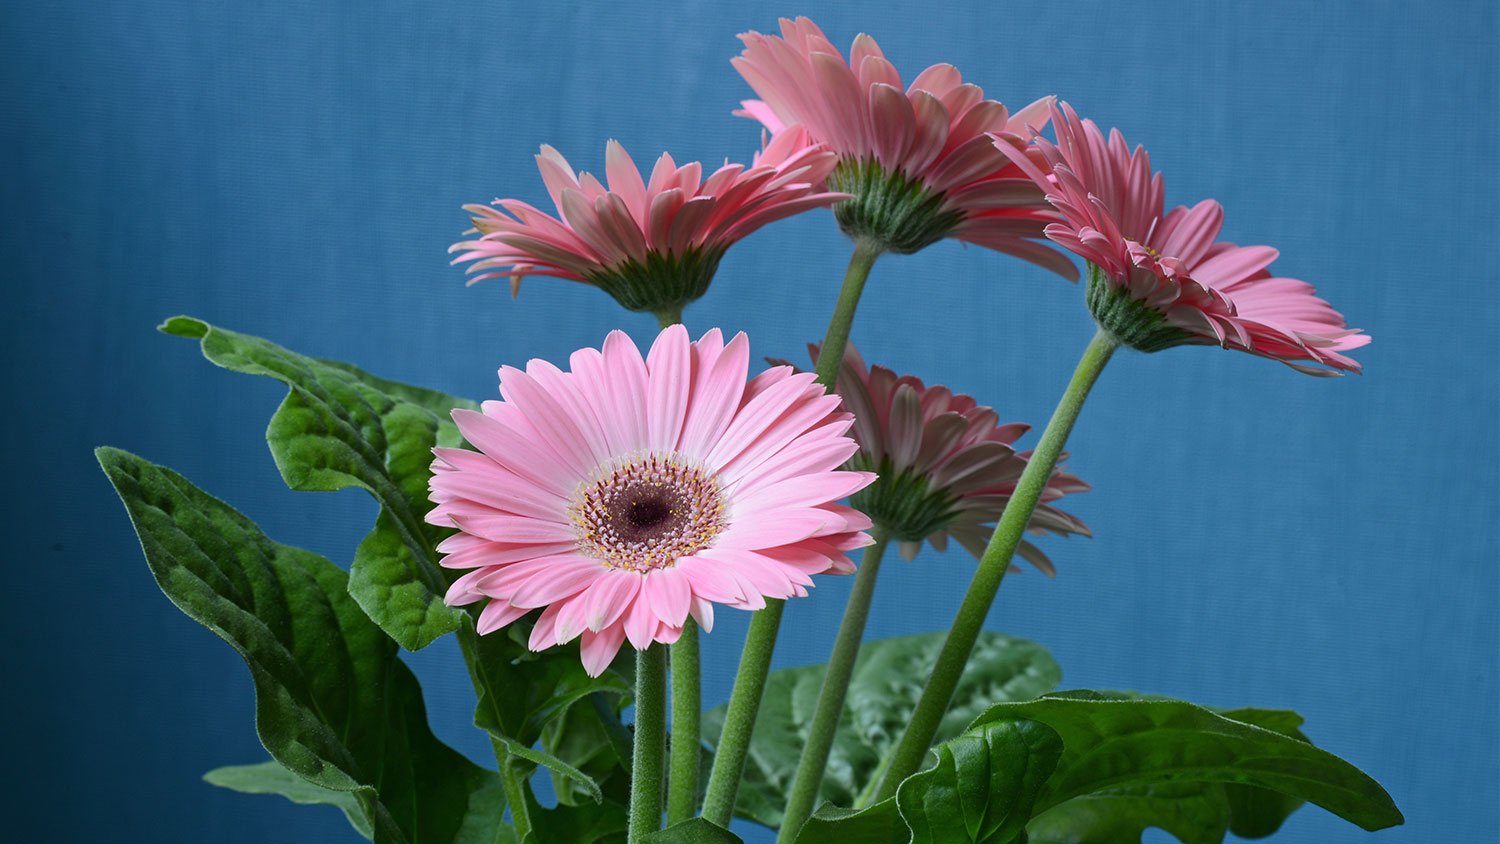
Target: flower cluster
{"x": 626, "y": 495}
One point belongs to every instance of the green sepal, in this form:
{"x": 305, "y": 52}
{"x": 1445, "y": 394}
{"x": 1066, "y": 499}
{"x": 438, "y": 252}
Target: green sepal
{"x": 889, "y": 208}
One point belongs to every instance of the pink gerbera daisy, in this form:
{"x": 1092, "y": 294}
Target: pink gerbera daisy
{"x": 946, "y": 465}
{"x": 652, "y": 245}
{"x": 1158, "y": 280}
{"x": 628, "y": 493}
{"x": 917, "y": 161}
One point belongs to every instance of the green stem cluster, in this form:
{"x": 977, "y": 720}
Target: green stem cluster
{"x": 938, "y": 693}
{"x": 760, "y": 641}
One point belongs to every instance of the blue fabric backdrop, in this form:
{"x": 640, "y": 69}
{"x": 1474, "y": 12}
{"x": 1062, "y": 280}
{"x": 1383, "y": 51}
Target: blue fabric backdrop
{"x": 296, "y": 170}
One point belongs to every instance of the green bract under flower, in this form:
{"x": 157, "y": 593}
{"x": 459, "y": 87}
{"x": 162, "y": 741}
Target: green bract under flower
{"x": 661, "y": 283}
{"x": 903, "y": 503}
{"x": 1129, "y": 320}
{"x": 947, "y": 466}
{"x": 889, "y": 208}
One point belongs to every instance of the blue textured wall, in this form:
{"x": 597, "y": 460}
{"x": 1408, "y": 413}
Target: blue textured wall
{"x": 295, "y": 170}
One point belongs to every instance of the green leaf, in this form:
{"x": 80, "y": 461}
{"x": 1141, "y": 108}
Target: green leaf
{"x": 274, "y": 778}
{"x": 538, "y": 688}
{"x": 557, "y": 766}
{"x": 693, "y": 831}
{"x": 1195, "y": 813}
{"x": 334, "y": 702}
{"x": 983, "y": 787}
{"x": 1113, "y": 745}
{"x": 882, "y": 695}
{"x": 592, "y": 739}
{"x": 340, "y": 427}
{"x": 593, "y": 823}
{"x": 877, "y": 824}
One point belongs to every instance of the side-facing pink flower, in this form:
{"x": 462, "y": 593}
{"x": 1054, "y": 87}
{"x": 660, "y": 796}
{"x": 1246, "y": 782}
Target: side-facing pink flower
{"x": 917, "y": 160}
{"x": 946, "y": 464}
{"x": 628, "y": 493}
{"x": 652, "y": 245}
{"x": 1158, "y": 280}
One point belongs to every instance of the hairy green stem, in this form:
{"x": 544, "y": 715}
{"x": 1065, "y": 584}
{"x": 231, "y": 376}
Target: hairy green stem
{"x": 830, "y": 706}
{"x": 650, "y": 750}
{"x": 760, "y": 641}
{"x": 933, "y": 704}
{"x": 682, "y": 789}
{"x": 670, "y": 315}
{"x": 515, "y": 795}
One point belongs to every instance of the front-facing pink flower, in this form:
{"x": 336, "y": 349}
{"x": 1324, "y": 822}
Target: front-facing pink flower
{"x": 629, "y": 493}
{"x": 655, "y": 244}
{"x": 917, "y": 161}
{"x": 1158, "y": 280}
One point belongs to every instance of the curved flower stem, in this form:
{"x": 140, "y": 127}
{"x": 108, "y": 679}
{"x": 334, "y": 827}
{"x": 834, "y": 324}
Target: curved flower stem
{"x": 650, "y": 742}
{"x": 682, "y": 789}
{"x": 933, "y": 704}
{"x": 760, "y": 641}
{"x": 830, "y": 706}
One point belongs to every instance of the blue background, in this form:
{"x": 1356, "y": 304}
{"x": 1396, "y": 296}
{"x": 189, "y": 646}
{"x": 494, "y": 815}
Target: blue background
{"x": 296, "y": 171}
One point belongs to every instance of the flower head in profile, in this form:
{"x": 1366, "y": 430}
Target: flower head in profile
{"x": 655, "y": 244}
{"x": 946, "y": 465}
{"x": 917, "y": 160}
{"x": 1160, "y": 278}
{"x": 629, "y": 493}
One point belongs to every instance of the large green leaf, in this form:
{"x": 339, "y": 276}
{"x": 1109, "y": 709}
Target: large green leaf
{"x": 1126, "y": 763}
{"x": 340, "y": 427}
{"x": 1193, "y": 812}
{"x": 1120, "y": 752}
{"x": 983, "y": 786}
{"x": 334, "y": 703}
{"x": 693, "y": 831}
{"x": 882, "y": 694}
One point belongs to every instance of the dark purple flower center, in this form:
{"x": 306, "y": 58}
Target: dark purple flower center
{"x": 647, "y": 512}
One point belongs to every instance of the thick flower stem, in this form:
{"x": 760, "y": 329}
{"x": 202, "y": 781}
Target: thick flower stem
{"x": 682, "y": 789}
{"x": 669, "y": 315}
{"x": 650, "y": 743}
{"x": 831, "y": 353}
{"x": 933, "y": 704}
{"x": 760, "y": 641}
{"x": 830, "y": 706}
